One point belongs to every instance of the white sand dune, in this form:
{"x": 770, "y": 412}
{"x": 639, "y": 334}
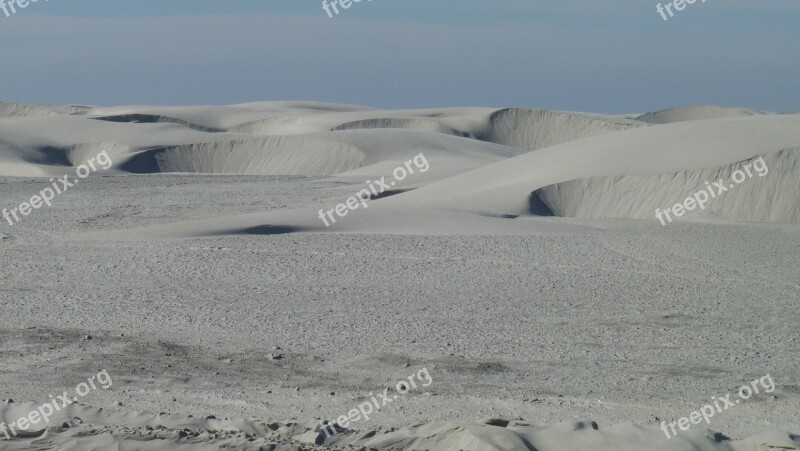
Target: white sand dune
{"x": 537, "y": 129}
{"x": 505, "y": 187}
{"x": 282, "y": 138}
{"x": 694, "y": 113}
{"x": 474, "y": 186}
{"x": 420, "y": 124}
{"x": 356, "y": 153}
{"x": 270, "y": 155}
{"x": 768, "y": 198}
{"x": 9, "y": 109}
{"x": 454, "y": 121}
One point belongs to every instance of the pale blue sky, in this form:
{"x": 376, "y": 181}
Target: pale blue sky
{"x": 588, "y": 55}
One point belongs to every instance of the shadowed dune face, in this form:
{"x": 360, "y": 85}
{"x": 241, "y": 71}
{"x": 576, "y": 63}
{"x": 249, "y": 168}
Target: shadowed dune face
{"x": 261, "y": 230}
{"x": 539, "y": 207}
{"x": 69, "y": 156}
{"x": 289, "y": 155}
{"x": 537, "y": 129}
{"x": 49, "y": 156}
{"x": 403, "y": 123}
{"x": 388, "y": 193}
{"x": 156, "y": 119}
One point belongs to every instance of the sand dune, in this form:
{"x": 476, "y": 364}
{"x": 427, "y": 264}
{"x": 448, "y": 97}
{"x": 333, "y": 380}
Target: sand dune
{"x": 505, "y": 187}
{"x": 768, "y": 198}
{"x": 537, "y": 129}
{"x": 8, "y": 109}
{"x": 279, "y": 138}
{"x": 402, "y": 123}
{"x": 694, "y": 113}
{"x": 283, "y": 155}
{"x": 282, "y": 138}
{"x": 138, "y": 118}
{"x": 596, "y": 167}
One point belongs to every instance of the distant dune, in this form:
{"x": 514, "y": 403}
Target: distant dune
{"x": 500, "y": 162}
{"x": 694, "y": 113}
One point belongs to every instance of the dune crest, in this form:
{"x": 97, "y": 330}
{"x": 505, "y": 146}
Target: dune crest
{"x": 694, "y": 113}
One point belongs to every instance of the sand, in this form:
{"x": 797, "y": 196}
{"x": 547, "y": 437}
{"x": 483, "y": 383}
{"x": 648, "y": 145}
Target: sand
{"x": 199, "y": 257}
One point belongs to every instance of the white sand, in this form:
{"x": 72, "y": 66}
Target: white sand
{"x": 187, "y": 281}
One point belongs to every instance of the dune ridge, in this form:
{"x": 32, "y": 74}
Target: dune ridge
{"x": 10, "y": 109}
{"x": 694, "y": 113}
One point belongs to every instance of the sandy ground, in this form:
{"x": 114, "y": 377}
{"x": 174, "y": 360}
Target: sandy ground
{"x": 610, "y": 321}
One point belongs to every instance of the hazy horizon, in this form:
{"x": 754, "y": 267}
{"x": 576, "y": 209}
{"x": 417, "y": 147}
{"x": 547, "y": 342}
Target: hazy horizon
{"x": 574, "y": 56}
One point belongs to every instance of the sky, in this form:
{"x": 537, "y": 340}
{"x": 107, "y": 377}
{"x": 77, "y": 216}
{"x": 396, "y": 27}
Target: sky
{"x": 605, "y": 56}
